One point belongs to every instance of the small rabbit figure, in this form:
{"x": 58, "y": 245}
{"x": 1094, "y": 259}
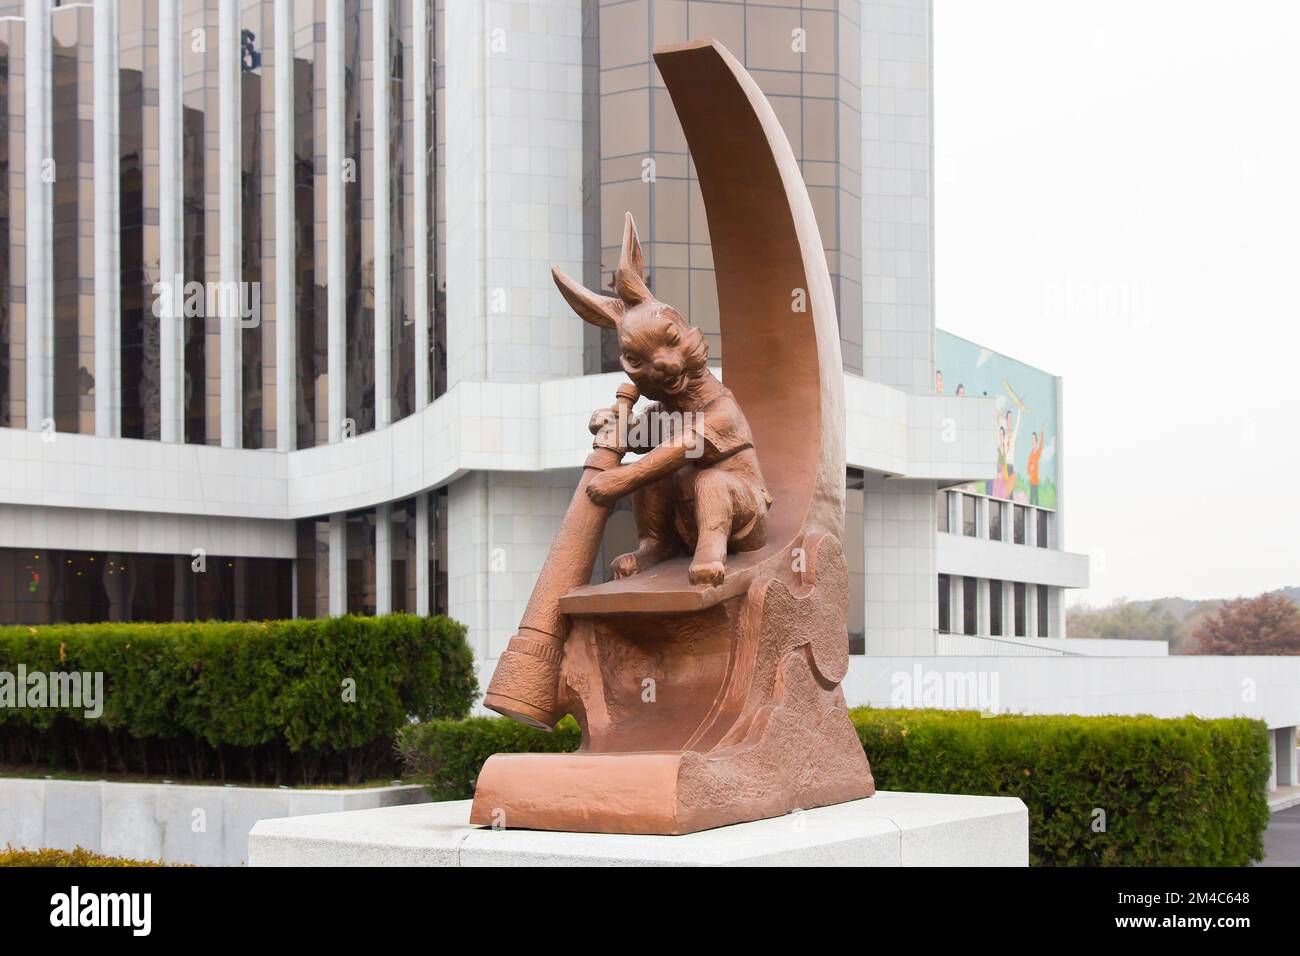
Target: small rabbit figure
{"x": 698, "y": 487}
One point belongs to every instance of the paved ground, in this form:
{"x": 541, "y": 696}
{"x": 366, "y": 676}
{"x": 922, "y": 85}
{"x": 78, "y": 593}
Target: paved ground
{"x": 1282, "y": 839}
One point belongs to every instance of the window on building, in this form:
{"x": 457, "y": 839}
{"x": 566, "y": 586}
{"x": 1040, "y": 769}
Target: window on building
{"x": 438, "y": 551}
{"x": 360, "y": 545}
{"x": 995, "y": 608}
{"x": 969, "y": 606}
{"x": 40, "y": 586}
{"x": 1018, "y": 524}
{"x": 945, "y": 592}
{"x": 942, "y": 511}
{"x": 856, "y": 558}
{"x": 968, "y": 515}
{"x": 995, "y": 520}
{"x": 1044, "y": 528}
{"x": 313, "y": 567}
{"x": 1043, "y": 611}
{"x": 1019, "y": 589}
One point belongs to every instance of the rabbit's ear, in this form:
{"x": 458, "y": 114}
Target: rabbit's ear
{"x": 602, "y": 310}
{"x": 629, "y": 280}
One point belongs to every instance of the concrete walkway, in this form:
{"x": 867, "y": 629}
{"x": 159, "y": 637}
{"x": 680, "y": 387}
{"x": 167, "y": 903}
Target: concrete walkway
{"x": 1282, "y": 839}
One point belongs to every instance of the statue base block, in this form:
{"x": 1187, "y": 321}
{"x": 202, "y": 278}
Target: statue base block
{"x": 888, "y": 829}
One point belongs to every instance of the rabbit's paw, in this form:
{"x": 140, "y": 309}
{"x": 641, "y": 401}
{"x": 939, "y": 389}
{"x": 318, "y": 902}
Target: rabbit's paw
{"x": 625, "y": 565}
{"x": 707, "y": 572}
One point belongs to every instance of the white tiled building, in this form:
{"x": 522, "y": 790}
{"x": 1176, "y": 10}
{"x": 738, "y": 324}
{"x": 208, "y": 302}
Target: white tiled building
{"x": 399, "y": 423}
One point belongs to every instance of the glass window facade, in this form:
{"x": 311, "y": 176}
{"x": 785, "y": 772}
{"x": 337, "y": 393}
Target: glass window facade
{"x": 1018, "y": 524}
{"x": 257, "y": 221}
{"x": 358, "y": 218}
{"x": 807, "y": 61}
{"x": 141, "y": 385}
{"x": 969, "y": 605}
{"x": 72, "y": 105}
{"x": 995, "y": 608}
{"x": 968, "y": 515}
{"x": 995, "y": 519}
{"x": 855, "y": 555}
{"x": 941, "y": 511}
{"x": 1044, "y": 530}
{"x": 1044, "y": 612}
{"x": 1018, "y": 590}
{"x": 39, "y": 586}
{"x": 945, "y": 604}
{"x": 13, "y": 226}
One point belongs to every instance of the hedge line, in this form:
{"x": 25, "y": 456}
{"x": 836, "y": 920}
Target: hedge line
{"x": 1181, "y": 792}
{"x": 78, "y": 857}
{"x": 286, "y": 701}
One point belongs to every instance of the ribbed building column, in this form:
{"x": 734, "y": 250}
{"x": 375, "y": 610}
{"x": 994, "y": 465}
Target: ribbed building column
{"x": 286, "y": 298}
{"x": 107, "y": 225}
{"x": 229, "y": 174}
{"x": 40, "y": 210}
{"x": 422, "y": 537}
{"x": 384, "y": 558}
{"x": 380, "y": 170}
{"x": 171, "y": 223}
{"x": 420, "y": 221}
{"x": 338, "y": 579}
{"x": 336, "y": 229}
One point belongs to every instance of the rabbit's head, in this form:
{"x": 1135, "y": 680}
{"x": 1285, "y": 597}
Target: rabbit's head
{"x": 661, "y": 352}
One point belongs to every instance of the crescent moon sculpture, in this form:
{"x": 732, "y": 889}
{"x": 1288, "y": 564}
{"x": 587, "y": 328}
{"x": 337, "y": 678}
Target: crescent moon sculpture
{"x": 707, "y": 688}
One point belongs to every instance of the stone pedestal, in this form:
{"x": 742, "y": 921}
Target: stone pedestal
{"x": 888, "y": 829}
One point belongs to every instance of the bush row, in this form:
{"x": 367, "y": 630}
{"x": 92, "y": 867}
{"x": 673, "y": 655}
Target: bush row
{"x": 302, "y": 701}
{"x": 79, "y": 857}
{"x": 1128, "y": 791}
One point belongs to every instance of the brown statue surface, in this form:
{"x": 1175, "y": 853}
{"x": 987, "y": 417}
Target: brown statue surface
{"x": 706, "y": 676}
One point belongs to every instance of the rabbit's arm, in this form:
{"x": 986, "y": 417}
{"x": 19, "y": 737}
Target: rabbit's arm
{"x": 609, "y": 486}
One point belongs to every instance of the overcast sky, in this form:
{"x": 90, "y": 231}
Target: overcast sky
{"x": 1118, "y": 202}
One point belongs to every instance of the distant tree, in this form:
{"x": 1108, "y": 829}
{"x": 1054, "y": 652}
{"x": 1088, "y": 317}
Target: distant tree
{"x": 1124, "y": 621}
{"x": 1268, "y": 624}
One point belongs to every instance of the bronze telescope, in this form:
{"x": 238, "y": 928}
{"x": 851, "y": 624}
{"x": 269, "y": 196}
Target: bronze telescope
{"x": 526, "y": 683}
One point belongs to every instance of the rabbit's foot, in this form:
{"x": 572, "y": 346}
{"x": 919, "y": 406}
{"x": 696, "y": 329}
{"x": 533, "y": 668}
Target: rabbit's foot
{"x": 707, "y": 572}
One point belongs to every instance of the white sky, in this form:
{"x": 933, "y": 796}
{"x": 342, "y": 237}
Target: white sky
{"x": 1118, "y": 202}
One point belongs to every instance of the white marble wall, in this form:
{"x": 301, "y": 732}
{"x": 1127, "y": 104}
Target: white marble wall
{"x": 898, "y": 194}
{"x": 514, "y": 187}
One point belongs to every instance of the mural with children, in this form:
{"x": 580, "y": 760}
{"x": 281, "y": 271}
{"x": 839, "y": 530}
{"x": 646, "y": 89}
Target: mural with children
{"x": 1026, "y": 417}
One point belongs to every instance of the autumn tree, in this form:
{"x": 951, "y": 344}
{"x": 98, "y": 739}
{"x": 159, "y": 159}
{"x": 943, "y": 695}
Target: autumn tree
{"x": 1268, "y": 624}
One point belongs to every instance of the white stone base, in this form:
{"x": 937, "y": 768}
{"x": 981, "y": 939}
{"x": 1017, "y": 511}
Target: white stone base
{"x": 889, "y": 829}
{"x": 206, "y": 825}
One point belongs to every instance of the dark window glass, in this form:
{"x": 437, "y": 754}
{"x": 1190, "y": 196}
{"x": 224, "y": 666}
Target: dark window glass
{"x": 855, "y": 556}
{"x": 995, "y": 608}
{"x": 969, "y": 608}
{"x": 941, "y": 511}
{"x": 39, "y": 586}
{"x": 945, "y": 594}
{"x": 361, "y": 562}
{"x": 995, "y": 519}
{"x": 1018, "y": 527}
{"x": 1043, "y": 612}
{"x": 968, "y": 515}
{"x": 404, "y": 557}
{"x": 1019, "y": 590}
{"x": 1044, "y": 527}
{"x": 313, "y": 567}
{"x": 141, "y": 392}
{"x": 72, "y": 194}
{"x": 438, "y": 551}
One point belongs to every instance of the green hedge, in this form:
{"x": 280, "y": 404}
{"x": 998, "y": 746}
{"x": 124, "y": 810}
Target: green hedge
{"x": 79, "y": 857}
{"x": 1183, "y": 792}
{"x": 261, "y": 701}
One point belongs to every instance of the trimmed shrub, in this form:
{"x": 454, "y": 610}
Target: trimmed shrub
{"x": 1175, "y": 792}
{"x": 446, "y": 755}
{"x": 78, "y": 857}
{"x": 1181, "y": 792}
{"x": 285, "y": 701}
